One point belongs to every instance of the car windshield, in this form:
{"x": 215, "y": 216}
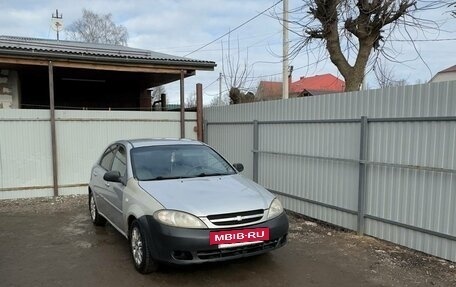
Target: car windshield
{"x": 177, "y": 161}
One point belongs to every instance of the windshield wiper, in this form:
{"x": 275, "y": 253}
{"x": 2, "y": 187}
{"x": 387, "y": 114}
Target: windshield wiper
{"x": 203, "y": 174}
{"x": 166, "y": 177}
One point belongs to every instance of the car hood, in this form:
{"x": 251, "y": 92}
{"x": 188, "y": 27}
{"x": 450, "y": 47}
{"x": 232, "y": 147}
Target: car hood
{"x": 205, "y": 196}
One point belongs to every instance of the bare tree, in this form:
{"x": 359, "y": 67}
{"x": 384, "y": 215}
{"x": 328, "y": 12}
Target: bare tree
{"x": 156, "y": 99}
{"x": 354, "y": 32}
{"x": 97, "y": 28}
{"x": 236, "y": 74}
{"x": 190, "y": 101}
{"x": 386, "y": 77}
{"x": 157, "y": 92}
{"x": 452, "y": 6}
{"x": 217, "y": 101}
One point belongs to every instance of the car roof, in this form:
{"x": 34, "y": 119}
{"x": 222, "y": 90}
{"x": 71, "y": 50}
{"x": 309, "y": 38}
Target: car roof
{"x": 158, "y": 141}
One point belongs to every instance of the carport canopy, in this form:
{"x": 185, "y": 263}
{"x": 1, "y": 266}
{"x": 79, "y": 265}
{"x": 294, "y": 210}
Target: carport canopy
{"x": 89, "y": 75}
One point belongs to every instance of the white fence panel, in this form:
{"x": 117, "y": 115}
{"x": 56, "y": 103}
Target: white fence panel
{"x": 25, "y": 149}
{"x": 25, "y": 145}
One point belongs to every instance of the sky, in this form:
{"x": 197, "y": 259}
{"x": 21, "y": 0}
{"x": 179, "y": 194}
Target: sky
{"x": 178, "y": 27}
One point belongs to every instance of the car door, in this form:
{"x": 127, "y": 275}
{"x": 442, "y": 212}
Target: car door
{"x": 100, "y": 188}
{"x": 114, "y": 195}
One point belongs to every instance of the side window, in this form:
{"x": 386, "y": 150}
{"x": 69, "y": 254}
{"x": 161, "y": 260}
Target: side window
{"x": 120, "y": 161}
{"x": 106, "y": 159}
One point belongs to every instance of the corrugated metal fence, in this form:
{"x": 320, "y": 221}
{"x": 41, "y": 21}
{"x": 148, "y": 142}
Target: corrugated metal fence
{"x": 25, "y": 145}
{"x": 381, "y": 162}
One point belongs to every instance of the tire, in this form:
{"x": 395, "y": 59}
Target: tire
{"x": 140, "y": 250}
{"x": 96, "y": 218}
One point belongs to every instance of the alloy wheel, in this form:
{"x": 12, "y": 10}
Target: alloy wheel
{"x": 137, "y": 246}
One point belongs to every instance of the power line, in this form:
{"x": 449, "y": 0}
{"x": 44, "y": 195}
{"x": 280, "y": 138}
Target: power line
{"x": 217, "y": 94}
{"x": 254, "y": 45}
{"x": 189, "y": 47}
{"x": 211, "y": 83}
{"x": 327, "y": 57}
{"x": 237, "y": 27}
{"x": 422, "y": 40}
{"x": 295, "y": 69}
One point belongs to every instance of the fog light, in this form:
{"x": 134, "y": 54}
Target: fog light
{"x": 182, "y": 255}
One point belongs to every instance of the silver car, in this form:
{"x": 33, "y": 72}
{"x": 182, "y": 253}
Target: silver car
{"x": 180, "y": 202}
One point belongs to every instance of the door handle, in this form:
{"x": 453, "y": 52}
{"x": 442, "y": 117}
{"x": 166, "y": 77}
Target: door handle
{"x": 107, "y": 183}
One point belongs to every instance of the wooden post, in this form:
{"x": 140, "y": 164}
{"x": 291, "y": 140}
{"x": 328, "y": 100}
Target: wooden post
{"x": 163, "y": 102}
{"x": 199, "y": 111}
{"x": 53, "y": 133}
{"x": 182, "y": 105}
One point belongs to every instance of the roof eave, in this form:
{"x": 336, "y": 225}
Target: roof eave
{"x": 194, "y": 65}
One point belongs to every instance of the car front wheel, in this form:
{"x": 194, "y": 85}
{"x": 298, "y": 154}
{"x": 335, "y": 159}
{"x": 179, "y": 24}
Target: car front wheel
{"x": 97, "y": 219}
{"x": 140, "y": 251}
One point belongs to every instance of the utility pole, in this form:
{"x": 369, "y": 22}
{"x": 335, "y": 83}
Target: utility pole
{"x": 57, "y": 22}
{"x": 285, "y": 51}
{"x": 220, "y": 90}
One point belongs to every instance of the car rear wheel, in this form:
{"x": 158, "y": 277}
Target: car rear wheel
{"x": 97, "y": 219}
{"x": 140, "y": 250}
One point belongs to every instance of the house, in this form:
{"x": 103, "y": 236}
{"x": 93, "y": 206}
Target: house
{"x": 449, "y": 74}
{"x": 305, "y": 86}
{"x": 85, "y": 75}
{"x": 268, "y": 90}
{"x": 323, "y": 83}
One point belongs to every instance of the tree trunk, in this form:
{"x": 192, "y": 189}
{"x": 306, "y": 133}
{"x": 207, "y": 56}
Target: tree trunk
{"x": 354, "y": 81}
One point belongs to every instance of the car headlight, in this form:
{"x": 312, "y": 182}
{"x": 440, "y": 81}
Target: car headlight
{"x": 275, "y": 209}
{"x": 178, "y": 219}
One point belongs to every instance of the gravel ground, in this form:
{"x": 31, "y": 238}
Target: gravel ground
{"x": 318, "y": 254}
{"x": 385, "y": 259}
{"x": 42, "y": 205}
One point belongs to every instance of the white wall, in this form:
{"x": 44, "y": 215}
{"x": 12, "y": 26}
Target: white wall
{"x": 443, "y": 77}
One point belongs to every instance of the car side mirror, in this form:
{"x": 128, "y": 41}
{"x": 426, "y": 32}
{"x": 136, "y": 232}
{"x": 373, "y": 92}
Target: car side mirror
{"x": 238, "y": 166}
{"x": 113, "y": 176}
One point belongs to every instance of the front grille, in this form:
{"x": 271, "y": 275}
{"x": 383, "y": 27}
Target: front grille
{"x": 236, "y": 217}
{"x": 240, "y": 250}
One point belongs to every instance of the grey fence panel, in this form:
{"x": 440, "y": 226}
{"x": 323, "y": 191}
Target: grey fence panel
{"x": 418, "y": 200}
{"x": 436, "y": 99}
{"x": 413, "y": 143}
{"x": 413, "y": 196}
{"x": 339, "y": 140}
{"x": 311, "y": 160}
{"x": 302, "y": 166}
{"x": 234, "y": 143}
{"x": 324, "y": 181}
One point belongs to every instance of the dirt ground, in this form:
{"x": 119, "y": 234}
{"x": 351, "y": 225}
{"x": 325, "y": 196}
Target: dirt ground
{"x": 51, "y": 242}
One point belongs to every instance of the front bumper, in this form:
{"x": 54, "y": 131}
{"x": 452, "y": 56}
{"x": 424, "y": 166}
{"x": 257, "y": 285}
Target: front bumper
{"x": 188, "y": 246}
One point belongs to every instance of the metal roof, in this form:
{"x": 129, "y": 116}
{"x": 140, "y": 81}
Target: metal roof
{"x": 447, "y": 70}
{"x": 101, "y": 52}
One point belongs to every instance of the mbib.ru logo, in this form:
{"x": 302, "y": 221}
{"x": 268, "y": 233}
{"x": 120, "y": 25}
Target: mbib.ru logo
{"x": 239, "y": 236}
